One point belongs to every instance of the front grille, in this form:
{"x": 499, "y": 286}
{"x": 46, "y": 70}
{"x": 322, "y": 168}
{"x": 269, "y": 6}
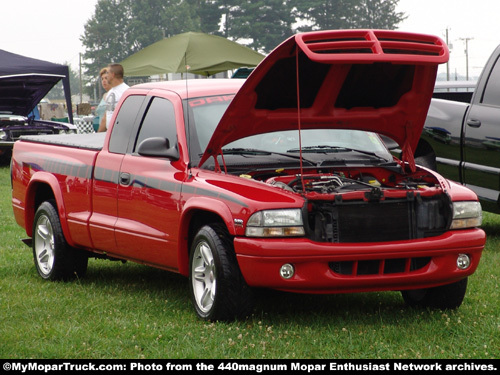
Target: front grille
{"x": 375, "y": 222}
{"x": 379, "y": 266}
{"x": 378, "y": 221}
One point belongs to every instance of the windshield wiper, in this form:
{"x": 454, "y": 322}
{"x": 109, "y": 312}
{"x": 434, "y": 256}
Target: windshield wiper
{"x": 336, "y": 149}
{"x": 252, "y": 151}
{"x": 244, "y": 151}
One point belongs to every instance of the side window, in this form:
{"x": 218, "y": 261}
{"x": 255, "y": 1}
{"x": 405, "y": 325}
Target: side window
{"x": 124, "y": 124}
{"x": 491, "y": 95}
{"x": 159, "y": 121}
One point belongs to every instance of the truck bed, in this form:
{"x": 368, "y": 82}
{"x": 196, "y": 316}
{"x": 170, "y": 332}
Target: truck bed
{"x": 93, "y": 141}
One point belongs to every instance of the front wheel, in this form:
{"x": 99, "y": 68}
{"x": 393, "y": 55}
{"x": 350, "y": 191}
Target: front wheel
{"x": 444, "y": 297}
{"x": 217, "y": 287}
{"x": 54, "y": 258}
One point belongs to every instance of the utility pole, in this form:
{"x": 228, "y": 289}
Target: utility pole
{"x": 448, "y": 62}
{"x": 466, "y": 56}
{"x": 81, "y": 83}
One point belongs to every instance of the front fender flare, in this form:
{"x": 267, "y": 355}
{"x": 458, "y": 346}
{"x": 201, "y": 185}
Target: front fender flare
{"x": 193, "y": 205}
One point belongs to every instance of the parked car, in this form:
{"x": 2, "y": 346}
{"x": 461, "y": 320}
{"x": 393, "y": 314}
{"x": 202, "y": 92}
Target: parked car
{"x": 277, "y": 181}
{"x": 13, "y": 126}
{"x": 462, "y": 140}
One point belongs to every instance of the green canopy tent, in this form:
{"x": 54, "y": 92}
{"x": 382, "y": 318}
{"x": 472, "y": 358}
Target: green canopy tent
{"x": 191, "y": 52}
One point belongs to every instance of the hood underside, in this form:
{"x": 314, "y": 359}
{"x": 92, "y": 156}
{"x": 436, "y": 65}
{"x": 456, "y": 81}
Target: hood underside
{"x": 374, "y": 80}
{"x": 19, "y": 94}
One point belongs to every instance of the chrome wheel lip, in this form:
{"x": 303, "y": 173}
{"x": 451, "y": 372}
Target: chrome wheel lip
{"x": 204, "y": 280}
{"x": 44, "y": 245}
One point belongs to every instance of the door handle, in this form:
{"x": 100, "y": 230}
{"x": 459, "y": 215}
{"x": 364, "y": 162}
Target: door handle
{"x": 473, "y": 123}
{"x": 125, "y": 179}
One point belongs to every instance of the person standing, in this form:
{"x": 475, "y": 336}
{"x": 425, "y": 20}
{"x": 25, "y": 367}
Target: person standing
{"x": 100, "y": 119}
{"x": 118, "y": 87}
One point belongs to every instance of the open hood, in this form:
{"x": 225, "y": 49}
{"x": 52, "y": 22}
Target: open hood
{"x": 374, "y": 80}
{"x": 19, "y": 94}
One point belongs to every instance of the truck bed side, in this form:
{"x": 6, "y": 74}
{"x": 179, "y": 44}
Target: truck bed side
{"x": 59, "y": 167}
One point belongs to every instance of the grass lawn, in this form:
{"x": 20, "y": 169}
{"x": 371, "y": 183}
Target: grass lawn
{"x": 125, "y": 310}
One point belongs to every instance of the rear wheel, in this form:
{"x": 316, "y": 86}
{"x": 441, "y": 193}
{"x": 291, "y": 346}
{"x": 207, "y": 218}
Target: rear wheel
{"x": 448, "y": 296}
{"x": 218, "y": 290}
{"x": 54, "y": 258}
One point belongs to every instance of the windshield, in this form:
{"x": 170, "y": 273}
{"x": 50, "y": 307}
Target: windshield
{"x": 313, "y": 141}
{"x": 205, "y": 113}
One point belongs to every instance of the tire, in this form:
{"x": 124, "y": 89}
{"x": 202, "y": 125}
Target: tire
{"x": 427, "y": 161}
{"x": 218, "y": 290}
{"x": 425, "y": 156}
{"x": 54, "y": 258}
{"x": 443, "y": 297}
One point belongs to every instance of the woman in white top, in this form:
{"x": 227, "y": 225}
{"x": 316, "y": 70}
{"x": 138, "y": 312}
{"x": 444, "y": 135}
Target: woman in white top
{"x": 118, "y": 87}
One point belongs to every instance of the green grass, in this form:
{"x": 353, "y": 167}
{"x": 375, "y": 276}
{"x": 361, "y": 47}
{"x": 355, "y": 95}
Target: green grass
{"x": 132, "y": 311}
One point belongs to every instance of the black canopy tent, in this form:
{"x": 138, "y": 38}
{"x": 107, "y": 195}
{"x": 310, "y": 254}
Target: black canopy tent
{"x": 24, "y": 81}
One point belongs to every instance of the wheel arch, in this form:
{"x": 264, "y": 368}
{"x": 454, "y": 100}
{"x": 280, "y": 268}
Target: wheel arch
{"x": 196, "y": 214}
{"x": 425, "y": 155}
{"x": 43, "y": 187}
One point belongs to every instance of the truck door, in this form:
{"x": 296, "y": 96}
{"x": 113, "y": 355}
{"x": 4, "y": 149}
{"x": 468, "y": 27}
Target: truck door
{"x": 106, "y": 175}
{"x": 149, "y": 193}
{"x": 482, "y": 137}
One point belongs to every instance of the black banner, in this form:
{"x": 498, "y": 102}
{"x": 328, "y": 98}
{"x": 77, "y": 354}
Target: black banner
{"x": 230, "y": 366}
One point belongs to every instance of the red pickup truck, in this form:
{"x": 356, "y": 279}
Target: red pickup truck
{"x": 278, "y": 181}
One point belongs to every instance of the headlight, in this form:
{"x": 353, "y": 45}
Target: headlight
{"x": 3, "y": 135}
{"x": 275, "y": 223}
{"x": 466, "y": 215}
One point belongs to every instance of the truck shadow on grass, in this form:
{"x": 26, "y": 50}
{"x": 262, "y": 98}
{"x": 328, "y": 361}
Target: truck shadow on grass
{"x": 145, "y": 283}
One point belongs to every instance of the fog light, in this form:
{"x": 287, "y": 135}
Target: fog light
{"x": 287, "y": 271}
{"x": 463, "y": 261}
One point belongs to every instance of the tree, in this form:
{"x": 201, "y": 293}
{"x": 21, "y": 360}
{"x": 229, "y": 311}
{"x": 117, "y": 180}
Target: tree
{"x": 263, "y": 23}
{"x": 151, "y": 20}
{"x": 347, "y": 14}
{"x": 57, "y": 92}
{"x": 323, "y": 14}
{"x": 377, "y": 14}
{"x": 104, "y": 36}
{"x": 122, "y": 27}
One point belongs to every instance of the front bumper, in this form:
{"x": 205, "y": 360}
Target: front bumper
{"x": 364, "y": 267}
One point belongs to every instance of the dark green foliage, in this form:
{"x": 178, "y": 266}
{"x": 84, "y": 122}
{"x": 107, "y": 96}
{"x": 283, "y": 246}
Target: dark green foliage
{"x": 120, "y": 28}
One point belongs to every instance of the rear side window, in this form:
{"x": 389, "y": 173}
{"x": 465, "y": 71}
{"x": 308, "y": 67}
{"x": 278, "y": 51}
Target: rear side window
{"x": 491, "y": 94}
{"x": 124, "y": 124}
{"x": 159, "y": 121}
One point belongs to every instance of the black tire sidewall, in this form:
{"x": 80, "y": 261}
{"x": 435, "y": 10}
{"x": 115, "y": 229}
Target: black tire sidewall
{"x": 68, "y": 262}
{"x": 233, "y": 298}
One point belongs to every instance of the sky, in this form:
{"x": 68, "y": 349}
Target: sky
{"x": 51, "y": 29}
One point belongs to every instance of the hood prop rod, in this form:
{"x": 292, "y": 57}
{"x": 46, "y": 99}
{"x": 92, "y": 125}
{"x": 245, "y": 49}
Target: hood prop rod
{"x": 299, "y": 119}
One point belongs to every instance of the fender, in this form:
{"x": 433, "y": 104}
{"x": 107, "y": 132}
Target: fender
{"x": 49, "y": 179}
{"x": 194, "y": 204}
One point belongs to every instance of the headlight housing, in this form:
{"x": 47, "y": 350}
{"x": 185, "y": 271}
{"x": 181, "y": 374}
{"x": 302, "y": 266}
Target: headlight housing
{"x": 276, "y": 223}
{"x": 466, "y": 215}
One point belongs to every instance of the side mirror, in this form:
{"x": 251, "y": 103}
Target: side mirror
{"x": 158, "y": 147}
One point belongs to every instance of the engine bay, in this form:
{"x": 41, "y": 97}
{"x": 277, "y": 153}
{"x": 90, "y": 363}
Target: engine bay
{"x": 369, "y": 204}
